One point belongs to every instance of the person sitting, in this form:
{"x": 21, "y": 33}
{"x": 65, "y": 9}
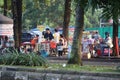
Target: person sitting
{"x": 96, "y": 36}
{"x": 30, "y": 49}
{"x": 107, "y": 43}
{"x": 23, "y": 49}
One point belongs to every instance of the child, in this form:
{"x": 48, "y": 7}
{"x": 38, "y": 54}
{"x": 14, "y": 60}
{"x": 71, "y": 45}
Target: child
{"x": 23, "y": 49}
{"x": 60, "y": 48}
{"x": 30, "y": 49}
{"x": 53, "y": 45}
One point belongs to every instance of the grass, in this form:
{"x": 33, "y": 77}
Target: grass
{"x": 88, "y": 68}
{"x": 66, "y": 67}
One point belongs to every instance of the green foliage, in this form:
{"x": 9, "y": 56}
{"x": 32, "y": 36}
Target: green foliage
{"x": 110, "y": 8}
{"x": 50, "y": 12}
{"x": 42, "y": 12}
{"x": 1, "y": 3}
{"x": 90, "y": 19}
{"x": 9, "y": 11}
{"x": 16, "y": 58}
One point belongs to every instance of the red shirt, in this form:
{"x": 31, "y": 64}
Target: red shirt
{"x": 34, "y": 40}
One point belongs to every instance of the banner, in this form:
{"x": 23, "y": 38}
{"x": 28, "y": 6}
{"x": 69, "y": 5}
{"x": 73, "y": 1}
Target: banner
{"x": 6, "y": 29}
{"x": 41, "y": 27}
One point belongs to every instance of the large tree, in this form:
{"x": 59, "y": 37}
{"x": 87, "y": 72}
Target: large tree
{"x": 115, "y": 10}
{"x": 67, "y": 13}
{"x": 75, "y": 57}
{"x": 17, "y": 15}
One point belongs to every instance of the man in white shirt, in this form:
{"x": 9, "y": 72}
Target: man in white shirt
{"x": 56, "y": 36}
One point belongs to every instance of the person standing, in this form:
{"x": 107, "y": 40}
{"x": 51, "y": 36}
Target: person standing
{"x": 65, "y": 45}
{"x": 48, "y": 35}
{"x": 56, "y": 36}
{"x": 60, "y": 48}
{"x": 34, "y": 41}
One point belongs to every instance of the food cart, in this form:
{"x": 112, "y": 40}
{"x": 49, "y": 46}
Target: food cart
{"x": 6, "y": 29}
{"x": 44, "y": 48}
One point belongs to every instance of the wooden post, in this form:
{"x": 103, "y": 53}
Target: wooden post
{"x": 117, "y": 47}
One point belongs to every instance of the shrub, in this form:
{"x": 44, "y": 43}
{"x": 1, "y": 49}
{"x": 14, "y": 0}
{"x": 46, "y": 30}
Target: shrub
{"x": 16, "y": 58}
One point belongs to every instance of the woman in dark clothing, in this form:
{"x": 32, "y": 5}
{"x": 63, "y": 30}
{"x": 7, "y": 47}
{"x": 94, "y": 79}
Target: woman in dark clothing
{"x": 5, "y": 42}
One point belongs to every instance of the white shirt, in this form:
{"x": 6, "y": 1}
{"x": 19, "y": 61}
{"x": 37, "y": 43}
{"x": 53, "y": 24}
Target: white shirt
{"x": 56, "y": 37}
{"x": 108, "y": 41}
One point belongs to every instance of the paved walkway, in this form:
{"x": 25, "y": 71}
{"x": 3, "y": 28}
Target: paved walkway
{"x": 104, "y": 61}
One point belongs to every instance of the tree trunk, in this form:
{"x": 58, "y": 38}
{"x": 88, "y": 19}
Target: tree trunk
{"x": 5, "y": 7}
{"x": 75, "y": 57}
{"x": 19, "y": 8}
{"x": 115, "y": 35}
{"x": 67, "y": 13}
{"x": 17, "y": 15}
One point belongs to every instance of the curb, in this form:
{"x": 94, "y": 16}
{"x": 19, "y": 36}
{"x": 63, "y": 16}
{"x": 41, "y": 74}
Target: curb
{"x": 55, "y": 71}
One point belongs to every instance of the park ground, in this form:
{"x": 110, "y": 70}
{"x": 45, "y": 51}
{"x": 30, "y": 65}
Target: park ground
{"x": 104, "y": 61}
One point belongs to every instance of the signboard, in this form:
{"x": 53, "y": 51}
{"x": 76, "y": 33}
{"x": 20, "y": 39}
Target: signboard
{"x": 40, "y": 27}
{"x": 6, "y": 29}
